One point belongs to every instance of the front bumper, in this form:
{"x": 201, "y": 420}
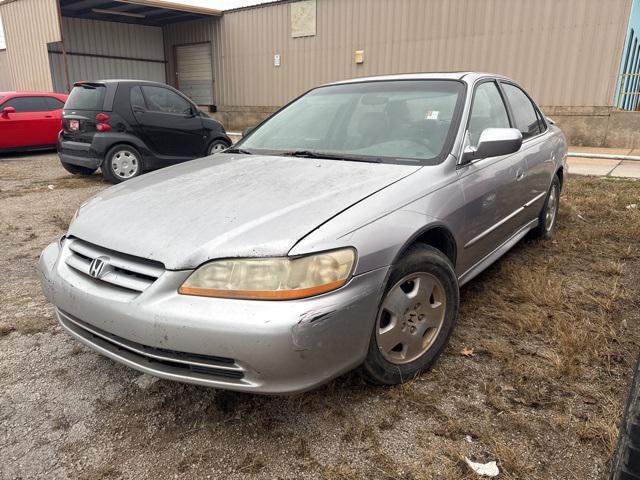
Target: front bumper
{"x": 257, "y": 346}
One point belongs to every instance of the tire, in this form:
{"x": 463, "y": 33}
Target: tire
{"x": 122, "y": 162}
{"x": 77, "y": 170}
{"x": 547, "y": 226}
{"x": 626, "y": 460}
{"x": 217, "y": 146}
{"x": 421, "y": 328}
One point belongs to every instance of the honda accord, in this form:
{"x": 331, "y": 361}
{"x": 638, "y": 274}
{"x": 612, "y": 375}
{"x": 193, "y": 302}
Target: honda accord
{"x": 334, "y": 236}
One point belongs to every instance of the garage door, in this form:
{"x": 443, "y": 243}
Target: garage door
{"x": 194, "y": 72}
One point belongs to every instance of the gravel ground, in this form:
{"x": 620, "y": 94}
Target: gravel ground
{"x": 534, "y": 377}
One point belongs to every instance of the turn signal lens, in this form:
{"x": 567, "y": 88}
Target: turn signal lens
{"x": 272, "y": 278}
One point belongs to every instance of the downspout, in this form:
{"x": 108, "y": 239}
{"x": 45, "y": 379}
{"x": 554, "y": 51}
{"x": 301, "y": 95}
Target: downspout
{"x": 64, "y": 50}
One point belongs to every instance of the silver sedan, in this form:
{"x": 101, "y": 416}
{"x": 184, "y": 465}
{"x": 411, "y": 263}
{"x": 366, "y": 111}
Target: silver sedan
{"x": 335, "y": 235}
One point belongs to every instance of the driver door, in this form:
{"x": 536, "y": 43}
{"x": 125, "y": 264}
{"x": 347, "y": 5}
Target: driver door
{"x": 169, "y": 123}
{"x": 493, "y": 188}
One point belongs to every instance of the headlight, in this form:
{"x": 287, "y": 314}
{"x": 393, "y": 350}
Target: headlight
{"x": 272, "y": 278}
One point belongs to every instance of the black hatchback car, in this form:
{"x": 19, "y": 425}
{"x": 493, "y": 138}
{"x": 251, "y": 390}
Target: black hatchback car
{"x": 126, "y": 127}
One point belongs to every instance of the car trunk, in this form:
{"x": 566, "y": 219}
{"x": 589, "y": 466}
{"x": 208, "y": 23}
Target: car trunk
{"x": 84, "y": 104}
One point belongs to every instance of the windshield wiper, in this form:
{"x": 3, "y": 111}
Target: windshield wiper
{"x": 331, "y": 156}
{"x": 238, "y": 150}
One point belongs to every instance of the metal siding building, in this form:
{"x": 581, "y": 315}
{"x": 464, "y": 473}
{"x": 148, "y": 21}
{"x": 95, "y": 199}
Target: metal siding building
{"x": 564, "y": 52}
{"x": 29, "y": 25}
{"x": 97, "y": 49}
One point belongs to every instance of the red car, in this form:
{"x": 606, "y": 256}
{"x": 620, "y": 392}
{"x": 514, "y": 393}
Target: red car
{"x": 30, "y": 120}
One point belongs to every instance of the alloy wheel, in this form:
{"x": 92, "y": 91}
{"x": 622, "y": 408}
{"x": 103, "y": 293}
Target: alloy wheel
{"x": 411, "y": 315}
{"x": 125, "y": 164}
{"x": 552, "y": 208}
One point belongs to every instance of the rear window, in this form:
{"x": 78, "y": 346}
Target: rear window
{"x": 86, "y": 98}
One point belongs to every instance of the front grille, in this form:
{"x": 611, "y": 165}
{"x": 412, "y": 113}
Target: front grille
{"x": 158, "y": 359}
{"x": 120, "y": 270}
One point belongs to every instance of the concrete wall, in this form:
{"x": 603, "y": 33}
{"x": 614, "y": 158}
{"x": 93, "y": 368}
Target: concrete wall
{"x": 597, "y": 126}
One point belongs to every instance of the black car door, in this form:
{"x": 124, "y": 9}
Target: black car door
{"x": 169, "y": 122}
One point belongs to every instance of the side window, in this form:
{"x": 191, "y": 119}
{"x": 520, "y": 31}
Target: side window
{"x": 525, "y": 114}
{"x": 164, "y": 100}
{"x": 53, "y": 103}
{"x": 136, "y": 98}
{"x": 27, "y": 104}
{"x": 487, "y": 111}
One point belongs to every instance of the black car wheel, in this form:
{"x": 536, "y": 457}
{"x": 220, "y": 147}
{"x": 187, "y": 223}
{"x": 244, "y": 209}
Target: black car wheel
{"x": 121, "y": 163}
{"x": 626, "y": 461}
{"x": 415, "y": 319}
{"x": 77, "y": 169}
{"x": 217, "y": 146}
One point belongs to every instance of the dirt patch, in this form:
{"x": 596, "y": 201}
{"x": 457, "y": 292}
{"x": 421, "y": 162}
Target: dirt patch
{"x": 534, "y": 377}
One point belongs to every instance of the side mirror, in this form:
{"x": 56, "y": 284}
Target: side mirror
{"x": 7, "y": 110}
{"x": 247, "y": 131}
{"x": 494, "y": 142}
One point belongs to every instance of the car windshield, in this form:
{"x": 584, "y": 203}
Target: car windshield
{"x": 86, "y": 97}
{"x": 383, "y": 121}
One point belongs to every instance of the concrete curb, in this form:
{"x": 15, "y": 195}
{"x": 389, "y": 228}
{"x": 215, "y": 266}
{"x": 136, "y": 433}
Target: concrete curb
{"x": 604, "y": 156}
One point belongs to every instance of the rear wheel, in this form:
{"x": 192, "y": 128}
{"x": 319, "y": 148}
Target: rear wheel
{"x": 217, "y": 146}
{"x": 121, "y": 163}
{"x": 77, "y": 169}
{"x": 415, "y": 319}
{"x": 549, "y": 213}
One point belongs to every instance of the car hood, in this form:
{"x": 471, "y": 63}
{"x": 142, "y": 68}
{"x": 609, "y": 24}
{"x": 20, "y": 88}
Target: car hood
{"x": 227, "y": 206}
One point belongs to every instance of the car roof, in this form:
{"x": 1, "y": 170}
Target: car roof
{"x": 31, "y": 94}
{"x": 120, "y": 80}
{"x": 467, "y": 76}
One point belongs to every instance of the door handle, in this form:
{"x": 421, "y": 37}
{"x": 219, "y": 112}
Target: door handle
{"x": 519, "y": 175}
{"x": 48, "y": 116}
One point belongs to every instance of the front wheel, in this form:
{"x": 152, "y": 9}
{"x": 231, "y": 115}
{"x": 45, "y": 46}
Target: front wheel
{"x": 217, "y": 146}
{"x": 415, "y": 318}
{"x": 121, "y": 163}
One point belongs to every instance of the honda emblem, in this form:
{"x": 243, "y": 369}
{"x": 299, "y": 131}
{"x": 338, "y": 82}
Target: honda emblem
{"x": 96, "y": 268}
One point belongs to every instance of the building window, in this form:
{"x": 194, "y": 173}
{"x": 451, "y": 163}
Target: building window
{"x": 3, "y": 43}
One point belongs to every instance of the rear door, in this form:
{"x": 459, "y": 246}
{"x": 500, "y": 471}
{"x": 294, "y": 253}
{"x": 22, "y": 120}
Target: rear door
{"x": 170, "y": 123}
{"x": 536, "y": 151}
{"x": 29, "y": 125}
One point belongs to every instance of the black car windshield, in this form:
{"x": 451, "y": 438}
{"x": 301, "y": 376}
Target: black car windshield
{"x": 86, "y": 97}
{"x": 384, "y": 121}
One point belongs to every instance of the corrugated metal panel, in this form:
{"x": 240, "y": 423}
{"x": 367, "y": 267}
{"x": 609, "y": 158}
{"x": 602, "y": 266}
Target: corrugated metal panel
{"x": 29, "y": 25}
{"x": 103, "y": 50}
{"x": 6, "y": 82}
{"x": 114, "y": 39}
{"x": 98, "y": 68}
{"x": 564, "y": 52}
